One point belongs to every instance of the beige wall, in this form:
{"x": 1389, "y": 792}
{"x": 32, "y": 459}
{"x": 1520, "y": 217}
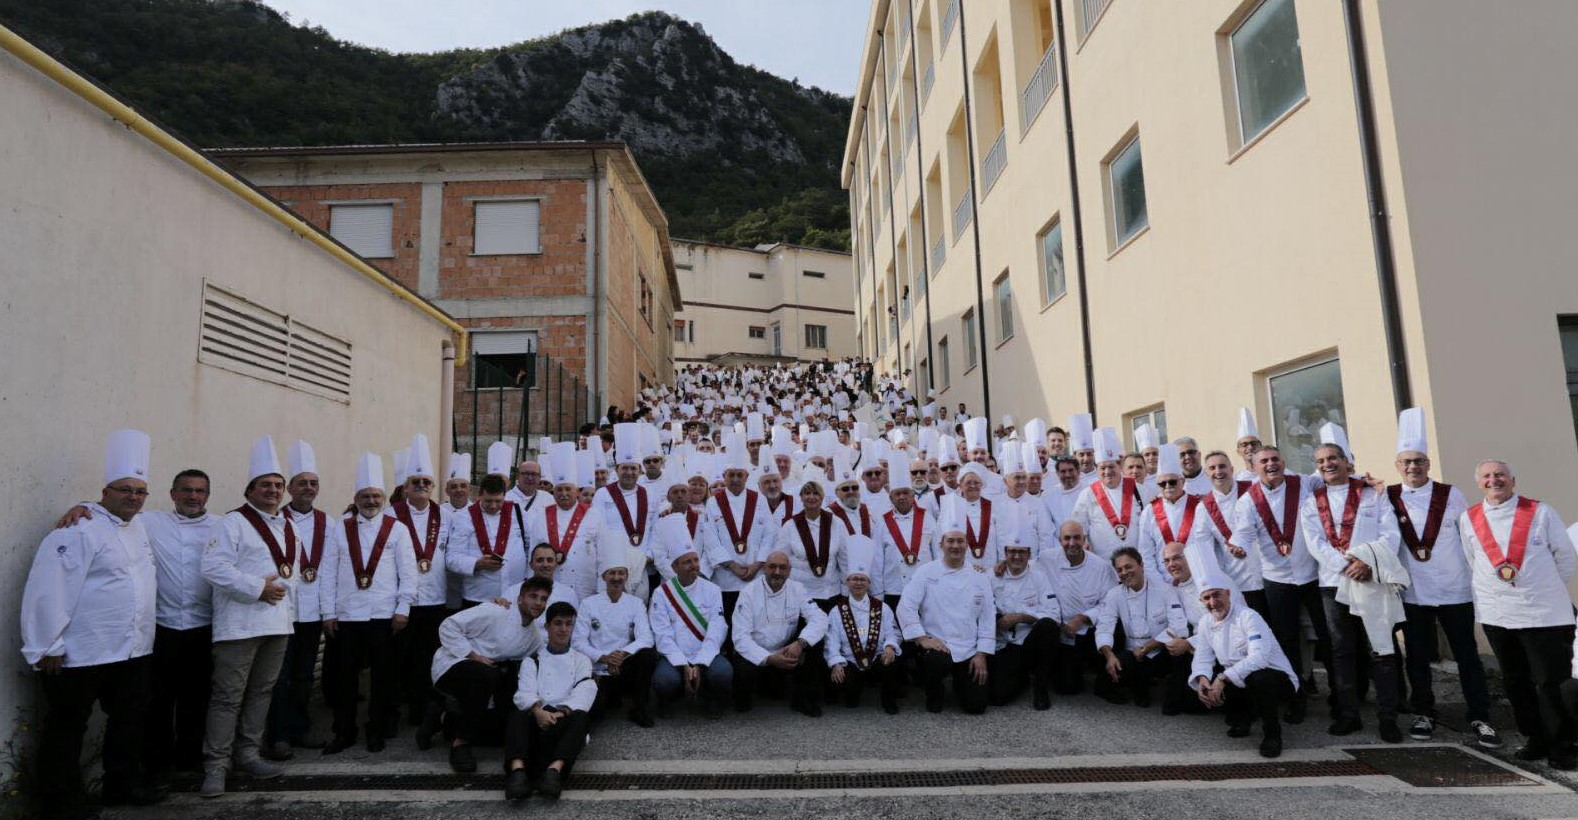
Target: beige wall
{"x": 1257, "y": 258}
{"x": 107, "y": 242}
{"x": 725, "y": 302}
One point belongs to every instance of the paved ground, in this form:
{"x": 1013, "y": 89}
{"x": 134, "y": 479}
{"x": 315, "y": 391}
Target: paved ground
{"x": 1078, "y": 732}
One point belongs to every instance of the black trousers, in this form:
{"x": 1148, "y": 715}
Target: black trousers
{"x": 1457, "y": 621}
{"x": 288, "y": 717}
{"x": 1075, "y": 660}
{"x": 183, "y": 664}
{"x": 1534, "y": 664}
{"x": 1283, "y": 602}
{"x": 1032, "y": 661}
{"x": 634, "y": 681}
{"x": 1348, "y": 643}
{"x": 525, "y": 740}
{"x": 1262, "y": 696}
{"x": 888, "y": 676}
{"x": 414, "y": 648}
{"x": 370, "y": 644}
{"x": 467, "y": 687}
{"x": 1256, "y": 599}
{"x": 804, "y": 681}
{"x": 122, "y": 690}
{"x": 936, "y": 667}
{"x": 1139, "y": 675}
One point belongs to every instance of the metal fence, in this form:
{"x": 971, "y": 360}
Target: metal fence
{"x": 540, "y": 398}
{"x": 1038, "y": 90}
{"x": 996, "y": 160}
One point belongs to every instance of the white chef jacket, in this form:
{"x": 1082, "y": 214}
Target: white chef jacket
{"x": 562, "y": 679}
{"x": 603, "y": 626}
{"x": 1148, "y": 613}
{"x": 1209, "y": 539}
{"x": 609, "y": 518}
{"x": 760, "y": 532}
{"x": 464, "y": 550}
{"x": 90, "y": 595}
{"x": 890, "y": 561}
{"x": 491, "y": 630}
{"x": 578, "y": 569}
{"x": 952, "y": 605}
{"x": 185, "y": 601}
{"x": 674, "y": 640}
{"x": 1444, "y": 579}
{"x": 1538, "y": 596}
{"x": 1039, "y": 533}
{"x": 765, "y": 621}
{"x": 992, "y": 550}
{"x": 454, "y": 518}
{"x": 1028, "y": 593}
{"x": 236, "y": 564}
{"x": 831, "y": 581}
{"x": 1242, "y": 643}
{"x": 308, "y": 599}
{"x": 1188, "y": 595}
{"x": 837, "y": 649}
{"x": 1060, "y": 502}
{"x": 432, "y": 587}
{"x": 1249, "y": 532}
{"x": 1104, "y": 540}
{"x": 528, "y": 502}
{"x": 1373, "y": 523}
{"x": 394, "y": 579}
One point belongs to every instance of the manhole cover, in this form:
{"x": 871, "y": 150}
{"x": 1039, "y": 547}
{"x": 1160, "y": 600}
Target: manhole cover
{"x": 1439, "y": 766}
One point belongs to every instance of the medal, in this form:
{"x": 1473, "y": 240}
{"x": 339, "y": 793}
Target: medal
{"x": 309, "y": 574}
{"x": 739, "y": 547}
{"x": 284, "y": 570}
{"x": 1507, "y": 564}
{"x": 424, "y": 565}
{"x": 1121, "y": 531}
{"x": 1284, "y": 548}
{"x": 1507, "y": 572}
{"x": 364, "y": 581}
{"x": 635, "y": 540}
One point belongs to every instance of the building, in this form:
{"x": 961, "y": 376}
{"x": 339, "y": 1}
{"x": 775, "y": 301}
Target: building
{"x": 1162, "y": 211}
{"x": 146, "y": 287}
{"x": 548, "y": 252}
{"x": 764, "y": 304}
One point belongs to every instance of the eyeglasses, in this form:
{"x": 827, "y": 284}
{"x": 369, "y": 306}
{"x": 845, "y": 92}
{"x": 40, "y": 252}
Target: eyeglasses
{"x": 950, "y": 467}
{"x": 1171, "y": 482}
{"x": 919, "y": 472}
{"x": 1414, "y": 462}
{"x": 1182, "y": 453}
{"x": 132, "y": 491}
{"x": 419, "y": 482}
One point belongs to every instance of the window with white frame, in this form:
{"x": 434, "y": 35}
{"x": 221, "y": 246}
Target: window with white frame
{"x": 1155, "y": 417}
{"x": 1003, "y": 297}
{"x": 816, "y": 337}
{"x": 1126, "y": 191}
{"x": 506, "y": 227}
{"x": 1054, "y": 277}
{"x": 944, "y": 364}
{"x": 1303, "y": 399}
{"x": 368, "y": 230}
{"x": 755, "y": 332}
{"x": 1268, "y": 66}
{"x": 971, "y": 353}
{"x": 504, "y": 358}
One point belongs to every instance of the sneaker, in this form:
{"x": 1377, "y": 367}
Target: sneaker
{"x": 1533, "y": 750}
{"x": 1424, "y": 728}
{"x": 260, "y": 769}
{"x": 213, "y": 783}
{"x": 1485, "y": 735}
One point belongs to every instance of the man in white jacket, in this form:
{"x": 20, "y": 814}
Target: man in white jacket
{"x": 1238, "y": 665}
{"x": 778, "y": 631}
{"x": 546, "y": 730}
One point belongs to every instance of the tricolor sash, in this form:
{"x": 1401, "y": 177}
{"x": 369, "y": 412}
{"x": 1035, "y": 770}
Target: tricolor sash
{"x": 688, "y": 614}
{"x": 1186, "y": 525}
{"x": 284, "y": 559}
{"x": 1340, "y": 536}
{"x": 501, "y": 543}
{"x": 562, "y": 545}
{"x": 1507, "y": 565}
{"x": 911, "y": 550}
{"x": 737, "y": 537}
{"x": 1420, "y": 544}
{"x": 1281, "y": 536}
{"x": 363, "y": 570}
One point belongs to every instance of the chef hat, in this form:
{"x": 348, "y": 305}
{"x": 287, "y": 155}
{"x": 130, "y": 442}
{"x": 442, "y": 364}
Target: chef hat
{"x": 1331, "y": 433}
{"x": 627, "y": 443}
{"x": 755, "y": 430}
{"x": 1167, "y": 462}
{"x": 126, "y": 455}
{"x": 859, "y": 556}
{"x": 783, "y": 441}
{"x": 975, "y": 433}
{"x": 1036, "y": 431}
{"x": 561, "y": 464}
{"x": 947, "y": 451}
{"x": 397, "y": 462}
{"x": 928, "y": 440}
{"x": 1015, "y": 526}
{"x": 844, "y": 466}
{"x": 1010, "y": 459}
{"x": 1411, "y": 431}
{"x": 735, "y": 454}
{"x": 880, "y": 452}
{"x": 369, "y": 472}
{"x": 650, "y": 446}
{"x": 860, "y": 431}
{"x": 1031, "y": 458}
{"x": 1081, "y": 435}
{"x": 673, "y": 532}
{"x": 586, "y": 468}
{"x": 929, "y": 410}
{"x": 823, "y": 443}
{"x": 898, "y": 436}
{"x": 1214, "y": 579}
{"x": 1246, "y": 424}
{"x": 1145, "y": 437}
{"x": 264, "y": 460}
{"x": 501, "y": 458}
{"x": 460, "y": 465}
{"x": 544, "y": 444}
{"x": 301, "y": 458}
{"x": 951, "y": 518}
{"x": 1106, "y": 445}
{"x": 676, "y": 431}
{"x": 419, "y": 459}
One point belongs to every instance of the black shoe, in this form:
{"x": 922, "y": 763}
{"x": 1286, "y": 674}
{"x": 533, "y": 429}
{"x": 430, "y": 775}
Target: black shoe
{"x": 517, "y": 785}
{"x": 1271, "y": 746}
{"x": 414, "y": 715}
{"x": 934, "y": 701}
{"x": 141, "y": 795}
{"x": 1389, "y": 731}
{"x": 712, "y": 708}
{"x": 1142, "y": 700}
{"x": 304, "y": 743}
{"x": 1238, "y": 730}
{"x": 1041, "y": 700}
{"x": 1295, "y": 713}
{"x": 339, "y": 744}
{"x": 1346, "y": 726}
{"x": 1565, "y": 759}
{"x": 1171, "y": 708}
{"x": 375, "y": 742}
{"x": 1533, "y": 750}
{"x": 809, "y": 709}
{"x": 550, "y": 784}
{"x": 462, "y": 759}
{"x": 432, "y": 721}
{"x": 665, "y": 709}
{"x": 890, "y": 705}
{"x": 641, "y": 717}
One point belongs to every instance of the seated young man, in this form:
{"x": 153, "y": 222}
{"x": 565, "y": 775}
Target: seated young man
{"x": 546, "y": 730}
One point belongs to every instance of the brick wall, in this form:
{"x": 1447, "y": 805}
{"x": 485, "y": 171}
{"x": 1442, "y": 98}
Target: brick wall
{"x": 309, "y": 201}
{"x": 560, "y": 270}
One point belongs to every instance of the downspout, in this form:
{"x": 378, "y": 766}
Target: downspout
{"x": 893, "y": 222}
{"x": 446, "y": 407}
{"x": 920, "y": 176}
{"x": 1079, "y": 221}
{"x": 596, "y": 314}
{"x": 975, "y": 221}
{"x": 1380, "y": 225}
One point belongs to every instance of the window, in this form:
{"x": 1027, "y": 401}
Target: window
{"x": 756, "y": 275}
{"x": 1090, "y": 12}
{"x": 1155, "y": 417}
{"x": 944, "y": 363}
{"x": 816, "y": 337}
{"x": 1569, "y": 331}
{"x": 504, "y": 359}
{"x": 757, "y": 332}
{"x": 645, "y": 305}
{"x": 1054, "y": 278}
{"x": 1268, "y": 67}
{"x": 506, "y": 227}
{"x": 1127, "y": 189}
{"x": 815, "y": 274}
{"x": 1003, "y": 296}
{"x": 368, "y": 230}
{"x": 970, "y": 352}
{"x": 1302, "y": 400}
{"x": 684, "y": 331}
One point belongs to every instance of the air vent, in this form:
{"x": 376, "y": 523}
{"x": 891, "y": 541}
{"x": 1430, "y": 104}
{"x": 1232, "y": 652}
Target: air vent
{"x": 245, "y": 337}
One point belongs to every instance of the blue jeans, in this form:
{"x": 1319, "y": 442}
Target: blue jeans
{"x": 717, "y": 679}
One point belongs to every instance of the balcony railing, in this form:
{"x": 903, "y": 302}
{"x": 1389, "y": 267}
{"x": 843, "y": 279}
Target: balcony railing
{"x": 927, "y": 78}
{"x": 996, "y": 160}
{"x": 939, "y": 253}
{"x": 912, "y": 130}
{"x": 962, "y": 214}
{"x": 1038, "y": 90}
{"x": 1089, "y": 12}
{"x": 951, "y": 16}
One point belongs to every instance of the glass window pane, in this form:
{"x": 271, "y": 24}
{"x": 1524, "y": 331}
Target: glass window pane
{"x": 1054, "y": 278}
{"x": 1302, "y": 401}
{"x": 1267, "y": 65}
{"x": 1128, "y": 193}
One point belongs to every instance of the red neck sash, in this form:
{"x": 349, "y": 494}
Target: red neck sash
{"x": 1119, "y": 522}
{"x": 820, "y": 549}
{"x": 500, "y": 542}
{"x": 424, "y": 547}
{"x": 1184, "y": 526}
{"x": 1340, "y": 537}
{"x": 1509, "y": 564}
{"x": 561, "y": 545}
{"x": 364, "y": 569}
{"x": 636, "y": 529}
{"x": 284, "y": 559}
{"x": 1282, "y": 536}
{"x": 737, "y": 536}
{"x": 977, "y": 543}
{"x": 1420, "y": 544}
{"x": 910, "y": 550}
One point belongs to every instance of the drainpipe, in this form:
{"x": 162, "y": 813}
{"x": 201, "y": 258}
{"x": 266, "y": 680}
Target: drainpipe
{"x": 975, "y": 222}
{"x": 446, "y": 407}
{"x": 920, "y": 177}
{"x": 1380, "y": 225}
{"x": 1078, "y": 219}
{"x": 893, "y": 221}
{"x": 596, "y": 315}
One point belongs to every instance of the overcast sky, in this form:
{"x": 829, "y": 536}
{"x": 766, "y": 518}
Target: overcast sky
{"x": 817, "y": 41}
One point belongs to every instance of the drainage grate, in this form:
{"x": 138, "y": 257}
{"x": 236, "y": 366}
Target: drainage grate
{"x": 1439, "y": 766}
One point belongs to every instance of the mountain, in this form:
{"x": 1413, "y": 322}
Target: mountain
{"x": 734, "y": 153}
